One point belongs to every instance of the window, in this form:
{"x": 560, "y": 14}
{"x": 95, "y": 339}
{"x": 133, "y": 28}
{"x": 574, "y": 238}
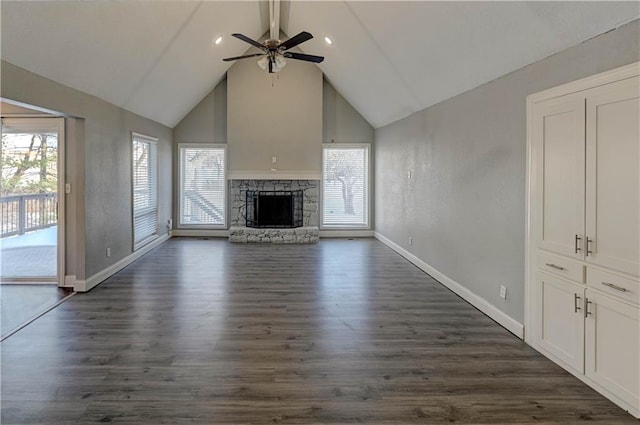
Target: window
{"x": 202, "y": 185}
{"x": 345, "y": 185}
{"x": 145, "y": 190}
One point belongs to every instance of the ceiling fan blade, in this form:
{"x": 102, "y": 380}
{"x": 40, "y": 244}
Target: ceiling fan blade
{"x": 303, "y": 57}
{"x": 249, "y": 40}
{"x": 242, "y": 57}
{"x": 295, "y": 40}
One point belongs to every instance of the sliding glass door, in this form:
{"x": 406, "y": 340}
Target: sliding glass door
{"x": 31, "y": 207}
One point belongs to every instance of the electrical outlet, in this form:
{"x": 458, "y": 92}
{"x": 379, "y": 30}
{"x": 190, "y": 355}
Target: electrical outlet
{"x": 170, "y": 224}
{"x": 67, "y": 188}
{"x": 410, "y": 240}
{"x": 274, "y": 159}
{"x": 108, "y": 252}
{"x": 409, "y": 174}
{"x": 503, "y": 292}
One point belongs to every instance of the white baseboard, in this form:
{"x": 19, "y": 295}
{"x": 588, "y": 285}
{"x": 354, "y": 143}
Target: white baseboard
{"x": 346, "y": 233}
{"x": 478, "y": 302}
{"x": 101, "y": 276}
{"x": 203, "y": 233}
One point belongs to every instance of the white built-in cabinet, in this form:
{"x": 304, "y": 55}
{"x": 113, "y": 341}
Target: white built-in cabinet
{"x": 583, "y": 247}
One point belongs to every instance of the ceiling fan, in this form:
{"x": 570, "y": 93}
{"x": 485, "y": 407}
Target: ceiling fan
{"x": 275, "y": 51}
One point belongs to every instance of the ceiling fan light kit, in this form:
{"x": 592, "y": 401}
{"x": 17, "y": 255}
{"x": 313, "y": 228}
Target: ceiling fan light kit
{"x": 276, "y": 64}
{"x": 275, "y": 51}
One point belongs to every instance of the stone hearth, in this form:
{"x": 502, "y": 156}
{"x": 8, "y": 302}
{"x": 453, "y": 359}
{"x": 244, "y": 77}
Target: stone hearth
{"x": 262, "y": 235}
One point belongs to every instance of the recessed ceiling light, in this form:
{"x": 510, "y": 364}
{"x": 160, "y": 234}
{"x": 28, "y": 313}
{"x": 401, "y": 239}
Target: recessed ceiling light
{"x": 328, "y": 40}
{"x": 218, "y": 40}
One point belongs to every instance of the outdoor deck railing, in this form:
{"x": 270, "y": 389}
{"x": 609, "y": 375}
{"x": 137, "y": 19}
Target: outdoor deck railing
{"x": 25, "y": 213}
{"x": 199, "y": 209}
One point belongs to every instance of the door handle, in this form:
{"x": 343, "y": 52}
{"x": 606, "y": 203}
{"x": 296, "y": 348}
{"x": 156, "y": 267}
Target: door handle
{"x": 576, "y": 245}
{"x": 553, "y": 266}
{"x": 587, "y": 313}
{"x": 576, "y": 304}
{"x": 616, "y": 287}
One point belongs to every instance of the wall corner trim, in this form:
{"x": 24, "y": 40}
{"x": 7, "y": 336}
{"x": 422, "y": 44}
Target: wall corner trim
{"x": 478, "y": 302}
{"x": 69, "y": 281}
{"x": 102, "y": 275}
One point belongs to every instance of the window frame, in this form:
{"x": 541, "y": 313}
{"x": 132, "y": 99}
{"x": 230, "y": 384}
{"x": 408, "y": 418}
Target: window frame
{"x": 181, "y": 225}
{"x": 153, "y": 163}
{"x": 367, "y": 192}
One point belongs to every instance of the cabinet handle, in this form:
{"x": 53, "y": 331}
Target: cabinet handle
{"x": 587, "y": 313}
{"x": 576, "y": 305}
{"x": 553, "y": 266}
{"x": 576, "y": 245}
{"x": 589, "y": 242}
{"x": 616, "y": 287}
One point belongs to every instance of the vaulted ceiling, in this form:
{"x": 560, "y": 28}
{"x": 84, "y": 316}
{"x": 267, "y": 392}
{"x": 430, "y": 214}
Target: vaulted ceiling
{"x": 388, "y": 58}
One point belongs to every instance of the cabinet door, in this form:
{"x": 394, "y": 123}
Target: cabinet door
{"x": 560, "y": 322}
{"x": 558, "y": 141}
{"x": 612, "y": 346}
{"x": 613, "y": 176}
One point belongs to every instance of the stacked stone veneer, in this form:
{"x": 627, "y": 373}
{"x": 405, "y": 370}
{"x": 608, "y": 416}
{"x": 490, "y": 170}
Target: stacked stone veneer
{"x": 267, "y": 235}
{"x": 238, "y": 232}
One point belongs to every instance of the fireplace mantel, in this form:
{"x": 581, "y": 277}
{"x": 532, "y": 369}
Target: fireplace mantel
{"x": 273, "y": 175}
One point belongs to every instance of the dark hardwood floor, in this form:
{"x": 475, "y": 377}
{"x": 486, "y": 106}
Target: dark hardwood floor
{"x": 207, "y": 332}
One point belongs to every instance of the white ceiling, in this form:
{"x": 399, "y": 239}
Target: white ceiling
{"x": 389, "y": 58}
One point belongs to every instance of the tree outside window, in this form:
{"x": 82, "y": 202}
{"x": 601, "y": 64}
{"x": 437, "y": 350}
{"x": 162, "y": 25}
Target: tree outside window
{"x": 345, "y": 178}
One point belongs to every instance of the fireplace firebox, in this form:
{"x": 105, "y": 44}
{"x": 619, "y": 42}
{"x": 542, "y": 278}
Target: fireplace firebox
{"x": 277, "y": 209}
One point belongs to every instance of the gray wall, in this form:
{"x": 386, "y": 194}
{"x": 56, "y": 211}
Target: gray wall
{"x": 8, "y": 109}
{"x": 341, "y": 123}
{"x": 274, "y": 115}
{"x": 465, "y": 205}
{"x": 207, "y": 121}
{"x": 106, "y": 140}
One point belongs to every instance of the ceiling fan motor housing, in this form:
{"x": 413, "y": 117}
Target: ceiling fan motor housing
{"x": 274, "y": 51}
{"x": 272, "y": 44}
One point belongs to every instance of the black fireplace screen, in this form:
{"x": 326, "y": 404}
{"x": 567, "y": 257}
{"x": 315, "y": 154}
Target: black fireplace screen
{"x": 271, "y": 208}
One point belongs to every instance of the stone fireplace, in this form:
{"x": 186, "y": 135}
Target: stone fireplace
{"x": 244, "y": 226}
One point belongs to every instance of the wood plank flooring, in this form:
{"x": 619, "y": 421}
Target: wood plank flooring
{"x": 341, "y": 332}
{"x": 21, "y": 302}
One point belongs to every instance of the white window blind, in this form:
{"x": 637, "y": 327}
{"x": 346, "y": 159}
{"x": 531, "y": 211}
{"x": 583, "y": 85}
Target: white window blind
{"x": 145, "y": 190}
{"x": 202, "y": 185}
{"x": 345, "y": 178}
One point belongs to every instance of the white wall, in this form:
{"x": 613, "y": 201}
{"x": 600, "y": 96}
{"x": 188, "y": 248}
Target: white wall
{"x": 103, "y": 131}
{"x": 465, "y": 206}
